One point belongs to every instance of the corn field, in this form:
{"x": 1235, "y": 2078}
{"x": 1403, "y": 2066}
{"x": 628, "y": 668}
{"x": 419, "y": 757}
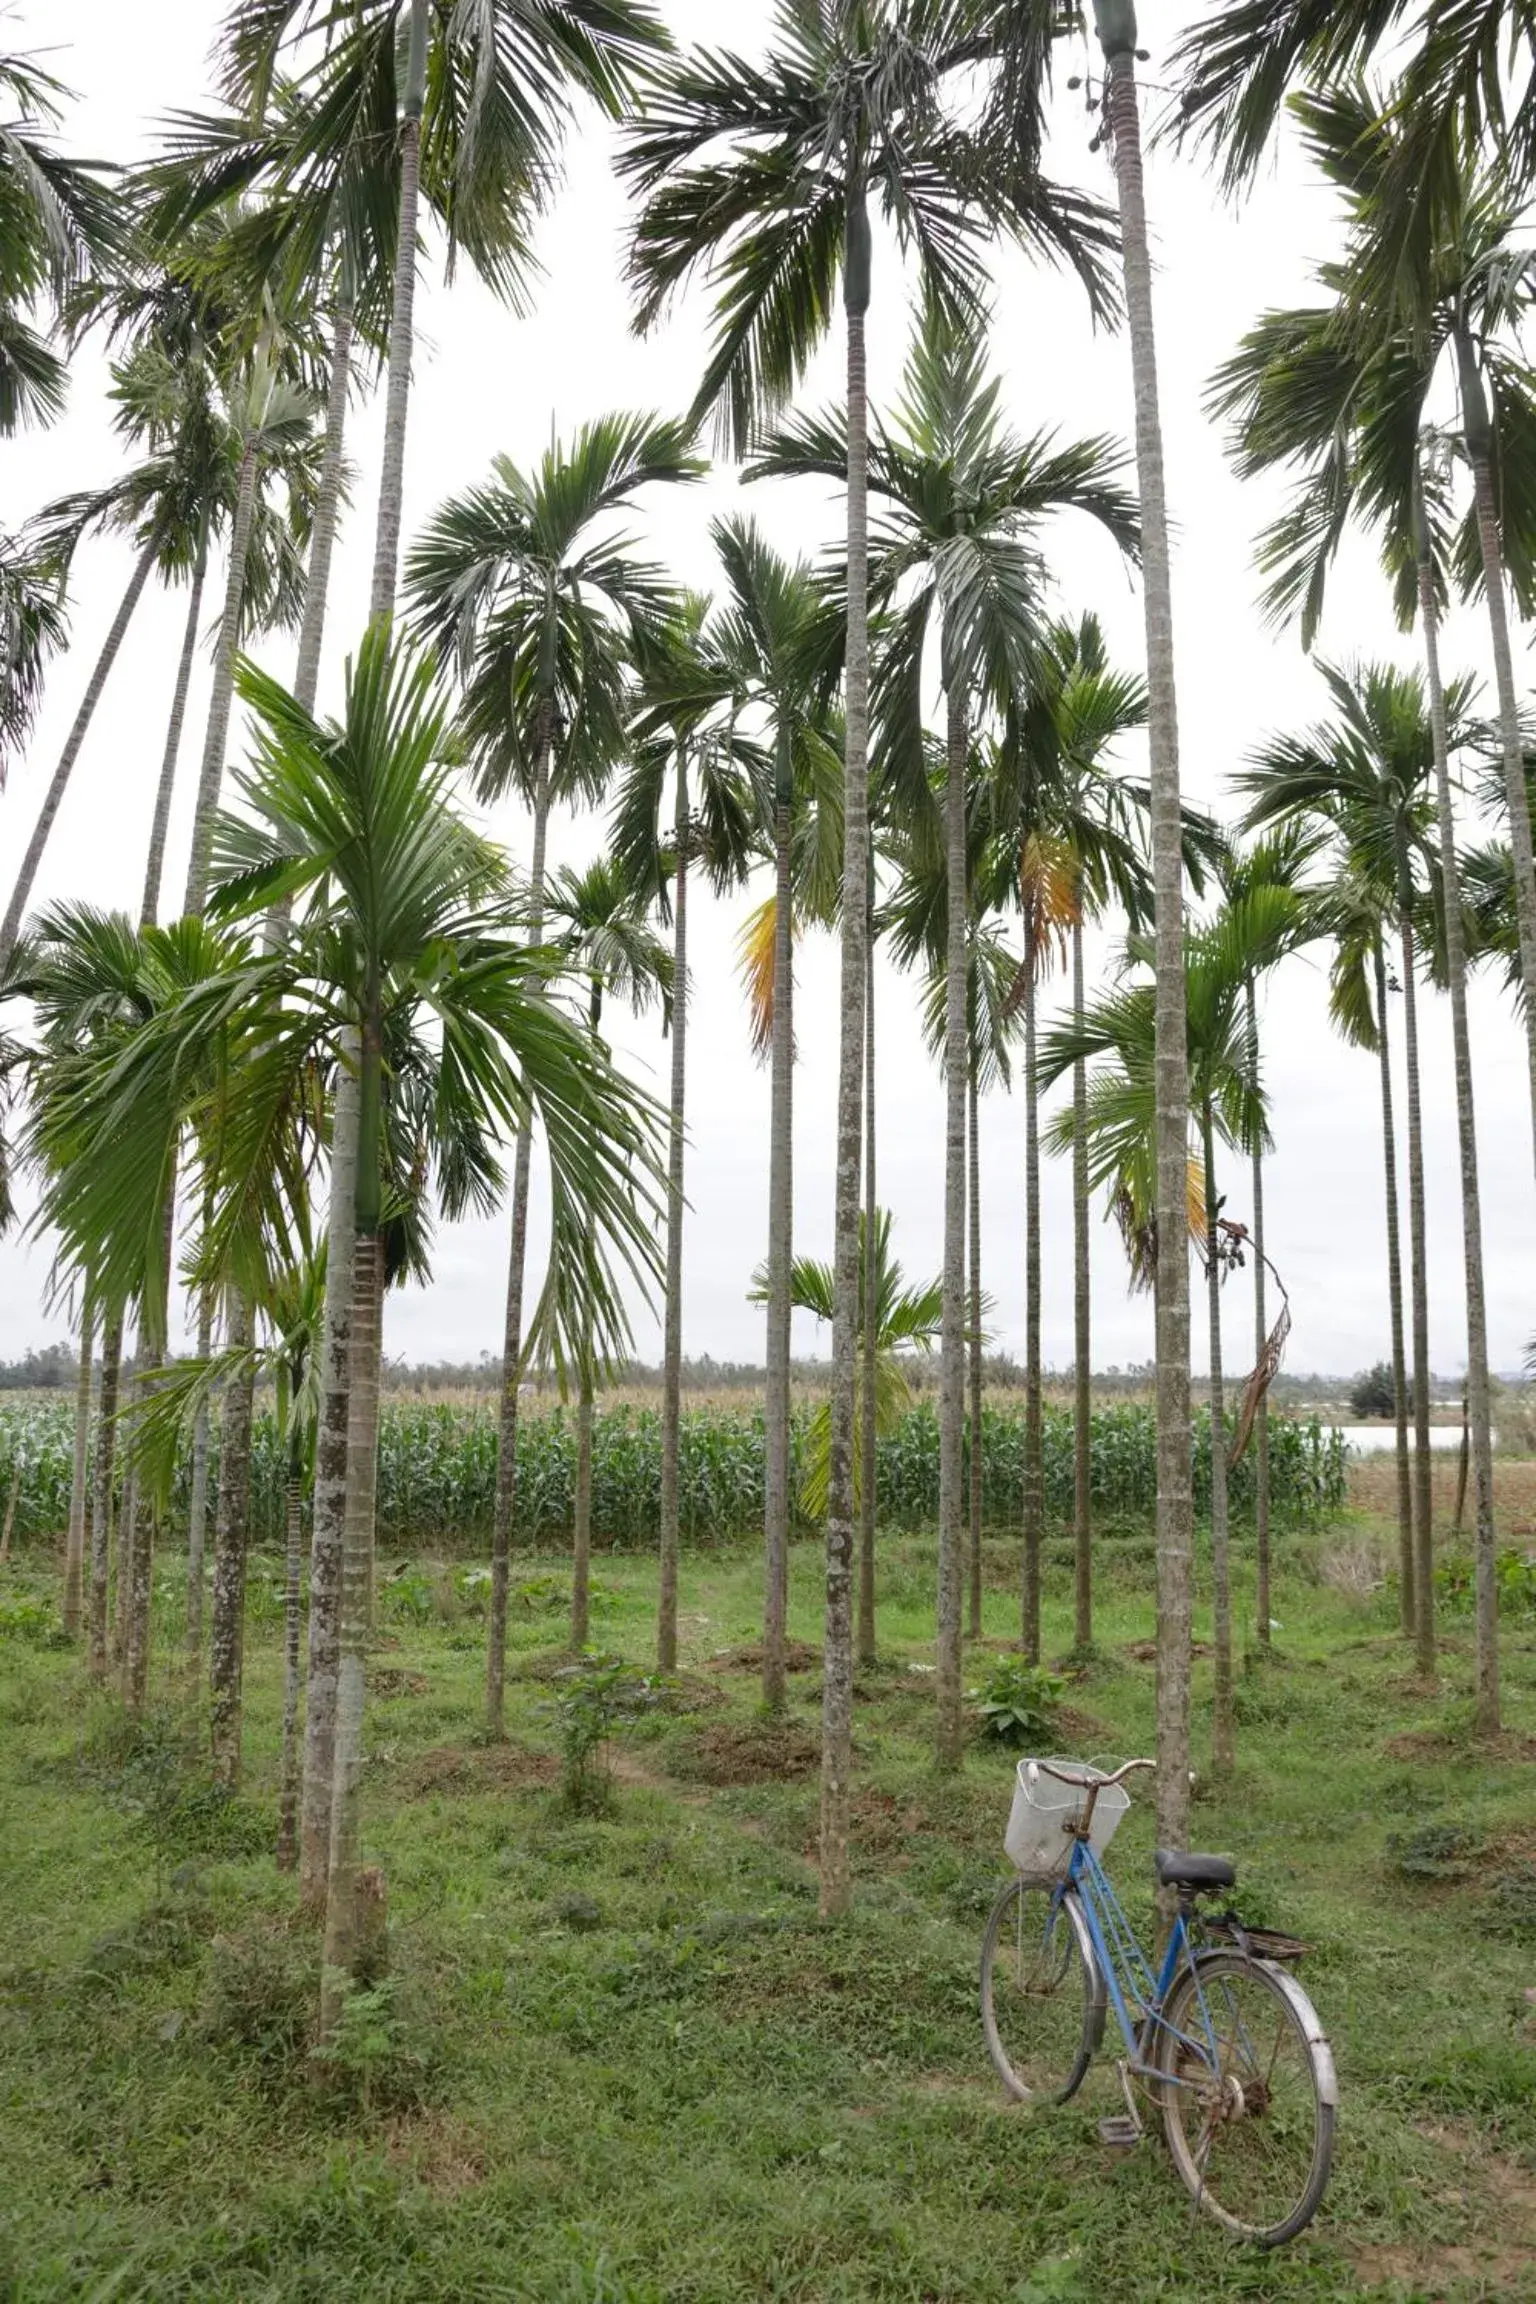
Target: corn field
{"x": 437, "y": 1472}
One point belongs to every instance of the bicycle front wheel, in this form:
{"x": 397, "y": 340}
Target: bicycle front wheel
{"x": 1248, "y": 2097}
{"x": 1042, "y": 1999}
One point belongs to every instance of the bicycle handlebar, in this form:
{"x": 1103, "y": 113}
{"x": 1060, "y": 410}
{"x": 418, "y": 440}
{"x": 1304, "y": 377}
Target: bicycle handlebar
{"x": 1095, "y": 1782}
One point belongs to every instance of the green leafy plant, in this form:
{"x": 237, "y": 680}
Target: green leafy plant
{"x": 598, "y": 1698}
{"x": 374, "y": 2060}
{"x": 1434, "y": 1851}
{"x": 1018, "y": 1703}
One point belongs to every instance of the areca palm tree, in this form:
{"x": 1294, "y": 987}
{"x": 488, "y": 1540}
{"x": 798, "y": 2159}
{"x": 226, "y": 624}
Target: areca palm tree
{"x": 33, "y": 628}
{"x": 953, "y": 560}
{"x": 1366, "y": 776}
{"x": 532, "y": 586}
{"x": 58, "y": 219}
{"x": 600, "y": 923}
{"x": 687, "y": 747}
{"x": 769, "y": 178}
{"x": 772, "y": 633}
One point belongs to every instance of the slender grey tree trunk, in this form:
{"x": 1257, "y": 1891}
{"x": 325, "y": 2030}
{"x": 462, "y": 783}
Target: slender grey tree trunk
{"x": 1082, "y": 1332}
{"x": 293, "y": 1654}
{"x": 1486, "y": 1702}
{"x": 1423, "y": 1463}
{"x": 386, "y": 548}
{"x": 154, "y": 869}
{"x": 504, "y": 1511}
{"x": 210, "y": 778}
{"x": 79, "y": 1513}
{"x": 322, "y": 541}
{"x": 869, "y": 1326}
{"x": 10, "y": 927}
{"x": 1406, "y": 1565}
{"x": 327, "y": 1531}
{"x": 672, "y": 1336}
{"x": 1223, "y": 1753}
{"x": 197, "y": 1504}
{"x": 973, "y": 1212}
{"x": 341, "y": 1885}
{"x": 101, "y": 1509}
{"x": 581, "y": 1544}
{"x": 1175, "y": 1503}
{"x": 1478, "y": 430}
{"x": 226, "y": 1647}
{"x": 1034, "y": 1417}
{"x": 952, "y": 1329}
{"x": 1260, "y": 1341}
{"x": 135, "y": 1579}
{"x": 781, "y": 1217}
{"x": 837, "y": 1675}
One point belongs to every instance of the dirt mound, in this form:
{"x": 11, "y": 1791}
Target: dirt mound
{"x": 751, "y": 1752}
{"x": 799, "y": 1656}
{"x": 394, "y": 1682}
{"x": 1145, "y": 1651}
{"x": 457, "y": 1769}
{"x": 1439, "y": 1745}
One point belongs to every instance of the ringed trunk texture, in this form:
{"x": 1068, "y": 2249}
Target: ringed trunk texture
{"x": 869, "y": 1330}
{"x": 322, "y": 541}
{"x": 952, "y": 1327}
{"x": 581, "y": 1543}
{"x": 386, "y": 543}
{"x": 197, "y": 1506}
{"x": 328, "y": 1525}
{"x": 10, "y": 927}
{"x": 781, "y": 1217}
{"x": 216, "y": 740}
{"x": 1405, "y": 1563}
{"x": 342, "y": 1917}
{"x": 79, "y": 1500}
{"x": 1082, "y": 1333}
{"x": 1175, "y": 1501}
{"x": 1260, "y": 1340}
{"x": 973, "y": 1211}
{"x": 1034, "y": 1417}
{"x": 226, "y": 1647}
{"x": 1423, "y": 1466}
{"x": 505, "y": 1508}
{"x": 1478, "y": 1424}
{"x": 1223, "y": 1752}
{"x": 101, "y": 1506}
{"x": 672, "y": 1332}
{"x": 293, "y": 1653}
{"x": 154, "y": 868}
{"x": 837, "y": 1674}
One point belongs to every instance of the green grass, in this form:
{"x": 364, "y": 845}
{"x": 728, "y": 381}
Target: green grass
{"x": 621, "y": 2062}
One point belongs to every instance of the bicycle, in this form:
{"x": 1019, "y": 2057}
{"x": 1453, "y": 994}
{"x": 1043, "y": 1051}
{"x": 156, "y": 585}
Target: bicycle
{"x": 1220, "y": 2038}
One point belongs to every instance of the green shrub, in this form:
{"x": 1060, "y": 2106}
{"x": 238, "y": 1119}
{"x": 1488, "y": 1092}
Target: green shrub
{"x": 598, "y": 1698}
{"x": 260, "y": 1999}
{"x": 376, "y": 2059}
{"x": 1018, "y": 1704}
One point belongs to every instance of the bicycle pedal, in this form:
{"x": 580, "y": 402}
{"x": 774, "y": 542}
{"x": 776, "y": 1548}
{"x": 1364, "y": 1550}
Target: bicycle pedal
{"x": 1120, "y": 2132}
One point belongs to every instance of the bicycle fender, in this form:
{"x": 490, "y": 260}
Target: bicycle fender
{"x": 1072, "y": 1906}
{"x": 1316, "y": 2037}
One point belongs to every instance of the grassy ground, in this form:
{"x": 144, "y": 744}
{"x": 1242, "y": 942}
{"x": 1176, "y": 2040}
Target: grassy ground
{"x": 622, "y": 2063}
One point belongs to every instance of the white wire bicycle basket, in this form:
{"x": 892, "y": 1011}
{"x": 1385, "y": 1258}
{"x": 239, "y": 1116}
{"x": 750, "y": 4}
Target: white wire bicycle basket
{"x": 1038, "y": 1838}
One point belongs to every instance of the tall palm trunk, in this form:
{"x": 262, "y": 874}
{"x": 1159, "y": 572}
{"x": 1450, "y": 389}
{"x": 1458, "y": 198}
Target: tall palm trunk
{"x": 322, "y": 541}
{"x": 386, "y": 545}
{"x": 973, "y": 1213}
{"x": 1477, "y": 426}
{"x": 136, "y": 1556}
{"x": 1222, "y": 1750}
{"x": 952, "y": 1328}
{"x": 1486, "y": 1701}
{"x": 1034, "y": 1418}
{"x": 216, "y": 737}
{"x": 672, "y": 1336}
{"x": 1116, "y": 22}
{"x": 226, "y": 1646}
{"x": 342, "y": 1914}
{"x": 101, "y": 1505}
{"x": 1260, "y": 1341}
{"x": 10, "y": 927}
{"x": 869, "y": 1333}
{"x": 781, "y": 1217}
{"x": 327, "y": 1534}
{"x": 79, "y": 1501}
{"x": 504, "y": 1511}
{"x": 293, "y": 1654}
{"x": 197, "y": 1502}
{"x": 1082, "y": 1332}
{"x": 1406, "y": 1565}
{"x": 837, "y": 1674}
{"x": 1418, "y": 1284}
{"x": 154, "y": 868}
{"x": 581, "y": 1527}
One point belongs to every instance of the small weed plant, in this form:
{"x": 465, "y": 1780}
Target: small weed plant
{"x": 1018, "y": 1703}
{"x": 598, "y": 1698}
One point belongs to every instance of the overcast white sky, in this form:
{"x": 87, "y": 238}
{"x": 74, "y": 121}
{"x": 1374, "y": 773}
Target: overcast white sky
{"x": 485, "y": 383}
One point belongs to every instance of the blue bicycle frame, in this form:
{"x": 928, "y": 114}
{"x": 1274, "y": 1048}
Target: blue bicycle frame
{"x": 1136, "y": 1995}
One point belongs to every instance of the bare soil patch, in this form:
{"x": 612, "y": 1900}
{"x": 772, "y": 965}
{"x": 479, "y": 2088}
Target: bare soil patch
{"x": 392, "y": 1681}
{"x": 748, "y": 1752}
{"x": 465, "y": 1769}
{"x": 1437, "y": 1745}
{"x": 799, "y": 1656}
{"x": 1145, "y": 1651}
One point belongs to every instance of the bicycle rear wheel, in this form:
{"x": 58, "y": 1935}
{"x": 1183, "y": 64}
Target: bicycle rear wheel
{"x": 1042, "y": 1998}
{"x": 1248, "y": 2102}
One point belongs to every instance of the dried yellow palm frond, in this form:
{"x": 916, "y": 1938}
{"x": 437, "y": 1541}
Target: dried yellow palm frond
{"x": 1050, "y": 889}
{"x": 1194, "y": 1193}
{"x": 755, "y": 956}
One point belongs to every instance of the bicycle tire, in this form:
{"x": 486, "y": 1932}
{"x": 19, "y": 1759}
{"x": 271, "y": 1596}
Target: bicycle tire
{"x": 1037, "y": 1972}
{"x": 1270, "y": 2104}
